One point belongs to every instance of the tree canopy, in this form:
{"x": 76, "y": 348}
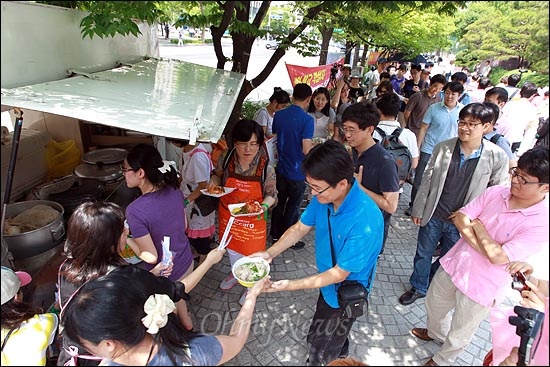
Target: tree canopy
{"x": 492, "y": 29}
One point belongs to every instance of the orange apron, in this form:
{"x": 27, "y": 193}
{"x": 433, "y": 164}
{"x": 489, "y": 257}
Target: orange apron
{"x": 249, "y": 233}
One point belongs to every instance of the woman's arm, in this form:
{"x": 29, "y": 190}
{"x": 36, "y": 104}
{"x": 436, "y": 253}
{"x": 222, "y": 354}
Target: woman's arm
{"x": 233, "y": 343}
{"x": 144, "y": 248}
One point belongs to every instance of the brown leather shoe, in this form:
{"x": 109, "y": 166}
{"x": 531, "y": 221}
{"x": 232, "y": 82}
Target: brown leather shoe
{"x": 422, "y": 333}
{"x": 430, "y": 363}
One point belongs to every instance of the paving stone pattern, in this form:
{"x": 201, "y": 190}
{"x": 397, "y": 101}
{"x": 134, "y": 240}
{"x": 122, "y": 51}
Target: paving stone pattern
{"x": 281, "y": 322}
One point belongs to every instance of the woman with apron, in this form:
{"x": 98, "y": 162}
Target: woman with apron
{"x": 245, "y": 167}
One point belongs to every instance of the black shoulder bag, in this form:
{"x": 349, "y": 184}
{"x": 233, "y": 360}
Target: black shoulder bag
{"x": 352, "y": 295}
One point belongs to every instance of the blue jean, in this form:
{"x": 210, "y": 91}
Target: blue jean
{"x": 290, "y": 195}
{"x": 418, "y": 173}
{"x": 434, "y": 232}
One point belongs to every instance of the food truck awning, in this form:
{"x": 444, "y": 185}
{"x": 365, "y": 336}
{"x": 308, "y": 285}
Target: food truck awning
{"x": 162, "y": 97}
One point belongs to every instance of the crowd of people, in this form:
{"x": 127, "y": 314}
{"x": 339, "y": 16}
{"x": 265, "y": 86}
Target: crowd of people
{"x": 480, "y": 180}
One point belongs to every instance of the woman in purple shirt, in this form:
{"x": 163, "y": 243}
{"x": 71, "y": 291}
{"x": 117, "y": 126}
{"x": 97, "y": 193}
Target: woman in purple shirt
{"x": 158, "y": 213}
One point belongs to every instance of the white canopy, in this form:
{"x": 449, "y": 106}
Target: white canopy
{"x": 162, "y": 97}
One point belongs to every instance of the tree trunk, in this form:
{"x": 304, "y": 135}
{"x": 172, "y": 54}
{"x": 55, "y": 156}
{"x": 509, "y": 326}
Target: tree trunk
{"x": 356, "y": 62}
{"x": 364, "y": 57}
{"x": 326, "y": 34}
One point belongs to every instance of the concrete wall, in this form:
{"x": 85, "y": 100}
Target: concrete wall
{"x": 41, "y": 43}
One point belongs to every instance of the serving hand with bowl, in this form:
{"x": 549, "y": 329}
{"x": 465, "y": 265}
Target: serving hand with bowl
{"x": 249, "y": 270}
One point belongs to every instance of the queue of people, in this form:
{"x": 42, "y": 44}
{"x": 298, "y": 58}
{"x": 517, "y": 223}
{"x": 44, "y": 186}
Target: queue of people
{"x": 124, "y": 314}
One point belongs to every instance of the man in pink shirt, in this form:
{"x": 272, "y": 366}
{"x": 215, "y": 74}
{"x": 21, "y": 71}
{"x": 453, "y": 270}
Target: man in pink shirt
{"x": 501, "y": 225}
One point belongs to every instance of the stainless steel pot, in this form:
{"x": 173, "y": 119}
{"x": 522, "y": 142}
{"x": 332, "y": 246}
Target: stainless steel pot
{"x": 35, "y": 242}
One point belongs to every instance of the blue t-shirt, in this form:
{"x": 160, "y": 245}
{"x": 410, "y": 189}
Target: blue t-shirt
{"x": 291, "y": 125}
{"x": 357, "y": 229}
{"x": 205, "y": 350}
{"x": 443, "y": 125}
{"x": 162, "y": 213}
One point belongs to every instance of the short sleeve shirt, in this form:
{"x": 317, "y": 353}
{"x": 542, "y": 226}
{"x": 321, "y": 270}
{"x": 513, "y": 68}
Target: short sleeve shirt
{"x": 522, "y": 233}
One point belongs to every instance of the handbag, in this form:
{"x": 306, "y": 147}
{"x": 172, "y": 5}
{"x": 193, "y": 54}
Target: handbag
{"x": 206, "y": 204}
{"x": 352, "y": 295}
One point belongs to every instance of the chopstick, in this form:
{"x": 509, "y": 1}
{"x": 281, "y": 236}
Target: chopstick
{"x": 224, "y": 245}
{"x": 226, "y": 233}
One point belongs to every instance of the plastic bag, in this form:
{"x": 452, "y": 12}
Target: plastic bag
{"x": 62, "y": 158}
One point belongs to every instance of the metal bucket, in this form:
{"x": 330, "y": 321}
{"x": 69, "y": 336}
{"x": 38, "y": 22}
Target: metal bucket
{"x": 37, "y": 241}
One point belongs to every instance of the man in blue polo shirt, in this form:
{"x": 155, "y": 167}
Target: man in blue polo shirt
{"x": 293, "y": 127}
{"x": 337, "y": 211}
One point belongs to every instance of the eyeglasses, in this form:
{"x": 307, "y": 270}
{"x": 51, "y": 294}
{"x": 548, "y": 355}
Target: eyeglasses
{"x": 252, "y": 144}
{"x": 319, "y": 192}
{"x": 350, "y": 131}
{"x": 124, "y": 170}
{"x": 470, "y": 126}
{"x": 521, "y": 180}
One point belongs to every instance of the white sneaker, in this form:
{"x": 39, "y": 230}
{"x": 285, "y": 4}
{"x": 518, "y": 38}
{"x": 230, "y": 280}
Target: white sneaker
{"x": 228, "y": 282}
{"x": 243, "y": 297}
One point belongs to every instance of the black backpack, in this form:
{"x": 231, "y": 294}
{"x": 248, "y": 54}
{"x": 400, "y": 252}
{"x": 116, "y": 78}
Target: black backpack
{"x": 399, "y": 151}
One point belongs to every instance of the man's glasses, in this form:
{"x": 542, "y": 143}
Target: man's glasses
{"x": 470, "y": 126}
{"x": 319, "y": 192}
{"x": 350, "y": 131}
{"x": 522, "y": 181}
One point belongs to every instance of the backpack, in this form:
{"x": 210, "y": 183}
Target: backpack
{"x": 494, "y": 138}
{"x": 399, "y": 151}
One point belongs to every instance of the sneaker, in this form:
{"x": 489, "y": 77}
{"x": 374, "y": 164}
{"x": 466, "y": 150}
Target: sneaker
{"x": 298, "y": 245}
{"x": 243, "y": 297}
{"x": 228, "y": 282}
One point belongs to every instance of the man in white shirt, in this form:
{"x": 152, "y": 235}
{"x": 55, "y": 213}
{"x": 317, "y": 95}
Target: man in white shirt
{"x": 389, "y": 104}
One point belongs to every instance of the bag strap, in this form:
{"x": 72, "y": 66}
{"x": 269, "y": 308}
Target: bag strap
{"x": 494, "y": 138}
{"x": 332, "y": 250}
{"x": 6, "y": 338}
{"x": 513, "y": 94}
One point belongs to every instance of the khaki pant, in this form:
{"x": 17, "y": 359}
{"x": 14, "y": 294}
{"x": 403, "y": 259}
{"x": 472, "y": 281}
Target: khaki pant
{"x": 454, "y": 330}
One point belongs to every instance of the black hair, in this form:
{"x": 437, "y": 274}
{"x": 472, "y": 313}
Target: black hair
{"x": 534, "y": 162}
{"x": 301, "y": 92}
{"x": 438, "y": 78}
{"x": 93, "y": 234}
{"x": 495, "y": 109}
{"x": 111, "y": 307}
{"x": 477, "y": 111}
{"x": 528, "y": 90}
{"x": 416, "y": 67}
{"x": 325, "y": 92}
{"x": 501, "y": 93}
{"x": 513, "y": 80}
{"x": 280, "y": 95}
{"x": 459, "y": 76}
{"x": 148, "y": 158}
{"x": 364, "y": 114}
{"x": 244, "y": 129}
{"x": 385, "y": 84}
{"x": 455, "y": 87}
{"x": 385, "y": 75}
{"x": 483, "y": 83}
{"x": 329, "y": 162}
{"x": 389, "y": 104}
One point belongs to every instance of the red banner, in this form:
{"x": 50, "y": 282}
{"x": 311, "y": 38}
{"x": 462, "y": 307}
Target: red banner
{"x": 316, "y": 76}
{"x": 373, "y": 58}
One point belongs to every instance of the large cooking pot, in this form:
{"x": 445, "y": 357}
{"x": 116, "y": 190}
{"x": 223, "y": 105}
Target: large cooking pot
{"x": 35, "y": 242}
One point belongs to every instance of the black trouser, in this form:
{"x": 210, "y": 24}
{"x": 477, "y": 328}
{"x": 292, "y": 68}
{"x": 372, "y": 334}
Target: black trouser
{"x": 286, "y": 213}
{"x": 327, "y": 338}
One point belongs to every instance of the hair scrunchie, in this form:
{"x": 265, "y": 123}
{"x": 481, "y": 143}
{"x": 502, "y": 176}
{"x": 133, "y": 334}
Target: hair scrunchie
{"x": 157, "y": 308}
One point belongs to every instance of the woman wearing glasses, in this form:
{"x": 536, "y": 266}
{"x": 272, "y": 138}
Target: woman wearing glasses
{"x": 158, "y": 213}
{"x": 246, "y": 168}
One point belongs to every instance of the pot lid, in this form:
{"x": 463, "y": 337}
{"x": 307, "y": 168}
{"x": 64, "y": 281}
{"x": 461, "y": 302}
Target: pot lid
{"x": 104, "y": 173}
{"x": 105, "y": 156}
